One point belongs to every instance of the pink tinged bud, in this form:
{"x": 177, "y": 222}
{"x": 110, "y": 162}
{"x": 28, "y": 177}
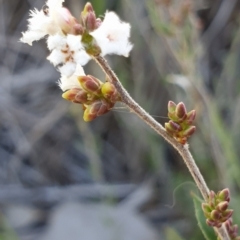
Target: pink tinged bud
{"x": 171, "y": 107}
{"x": 211, "y": 223}
{"x": 110, "y": 92}
{"x": 181, "y": 111}
{"x": 88, "y": 7}
{"x": 70, "y": 94}
{"x": 190, "y": 117}
{"x": 224, "y": 194}
{"x": 96, "y": 109}
{"x": 222, "y": 206}
{"x": 90, "y": 84}
{"x": 90, "y": 21}
{"x": 230, "y": 221}
{"x": 88, "y": 17}
{"x": 78, "y": 29}
{"x": 228, "y": 225}
{"x": 81, "y": 97}
{"x": 65, "y": 20}
{"x": 169, "y": 129}
{"x": 215, "y": 215}
{"x": 212, "y": 196}
{"x": 227, "y": 214}
{"x": 189, "y": 131}
{"x": 235, "y": 230}
{"x": 175, "y": 127}
{"x": 206, "y": 208}
{"x": 172, "y": 116}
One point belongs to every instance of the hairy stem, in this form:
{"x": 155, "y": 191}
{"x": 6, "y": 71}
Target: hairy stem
{"x": 182, "y": 149}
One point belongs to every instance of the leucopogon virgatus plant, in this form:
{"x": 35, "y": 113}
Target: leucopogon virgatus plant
{"x": 72, "y": 43}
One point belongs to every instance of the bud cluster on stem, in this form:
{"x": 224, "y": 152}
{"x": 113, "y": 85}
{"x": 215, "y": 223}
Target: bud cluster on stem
{"x": 216, "y": 208}
{"x": 180, "y": 124}
{"x": 96, "y": 97}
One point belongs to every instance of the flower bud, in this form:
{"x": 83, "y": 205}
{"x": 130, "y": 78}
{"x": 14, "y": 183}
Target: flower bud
{"x": 81, "y": 97}
{"x": 222, "y": 206}
{"x": 224, "y": 194}
{"x": 89, "y": 19}
{"x": 174, "y": 126}
{"x": 78, "y": 29}
{"x": 171, "y": 107}
{"x": 189, "y": 131}
{"x": 190, "y": 117}
{"x": 206, "y": 208}
{"x": 90, "y": 84}
{"x": 215, "y": 215}
{"x": 181, "y": 111}
{"x": 235, "y": 229}
{"x": 169, "y": 129}
{"x": 110, "y": 92}
{"x": 90, "y": 22}
{"x": 70, "y": 94}
{"x": 227, "y": 214}
{"x": 65, "y": 21}
{"x": 210, "y": 223}
{"x": 88, "y": 7}
{"x": 212, "y": 196}
{"x": 96, "y": 109}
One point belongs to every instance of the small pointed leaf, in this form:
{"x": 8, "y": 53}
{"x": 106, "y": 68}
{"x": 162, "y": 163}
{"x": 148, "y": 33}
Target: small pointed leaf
{"x": 207, "y": 231}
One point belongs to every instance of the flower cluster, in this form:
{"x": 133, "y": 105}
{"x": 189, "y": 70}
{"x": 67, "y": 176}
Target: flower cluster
{"x": 73, "y": 42}
{"x": 180, "y": 124}
{"x": 96, "y": 97}
{"x": 216, "y": 209}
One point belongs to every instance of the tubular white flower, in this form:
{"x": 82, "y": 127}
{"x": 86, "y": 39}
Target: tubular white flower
{"x": 113, "y": 35}
{"x": 67, "y": 83}
{"x": 42, "y": 23}
{"x": 68, "y": 51}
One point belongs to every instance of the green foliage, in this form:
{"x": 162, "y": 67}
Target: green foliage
{"x": 171, "y": 234}
{"x": 6, "y": 233}
{"x": 207, "y": 231}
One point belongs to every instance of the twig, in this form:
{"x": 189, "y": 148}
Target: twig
{"x": 182, "y": 149}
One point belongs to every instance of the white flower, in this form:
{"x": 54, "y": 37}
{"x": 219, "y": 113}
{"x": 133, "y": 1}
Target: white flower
{"x": 113, "y": 35}
{"x": 42, "y": 23}
{"x": 64, "y": 39}
{"x": 67, "y": 83}
{"x": 68, "y": 51}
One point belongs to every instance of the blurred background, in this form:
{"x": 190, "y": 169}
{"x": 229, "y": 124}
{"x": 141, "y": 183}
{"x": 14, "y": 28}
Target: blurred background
{"x": 114, "y": 178}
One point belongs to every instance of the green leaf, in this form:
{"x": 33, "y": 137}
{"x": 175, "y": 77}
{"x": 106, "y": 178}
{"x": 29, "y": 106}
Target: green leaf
{"x": 171, "y": 234}
{"x": 207, "y": 231}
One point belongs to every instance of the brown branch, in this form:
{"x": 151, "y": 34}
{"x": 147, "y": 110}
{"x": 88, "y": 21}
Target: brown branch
{"x": 157, "y": 127}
